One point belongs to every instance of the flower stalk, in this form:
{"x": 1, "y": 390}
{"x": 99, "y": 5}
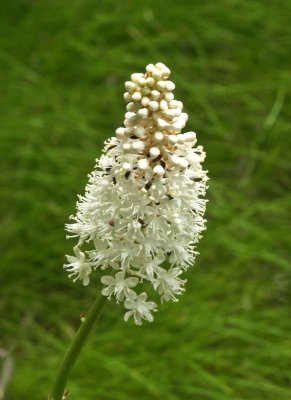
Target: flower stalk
{"x": 59, "y": 386}
{"x": 142, "y": 212}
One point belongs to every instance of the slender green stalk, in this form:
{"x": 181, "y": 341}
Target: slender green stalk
{"x": 74, "y": 350}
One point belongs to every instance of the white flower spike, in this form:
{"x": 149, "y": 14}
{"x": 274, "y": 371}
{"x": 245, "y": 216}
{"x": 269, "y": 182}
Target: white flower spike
{"x": 144, "y": 204}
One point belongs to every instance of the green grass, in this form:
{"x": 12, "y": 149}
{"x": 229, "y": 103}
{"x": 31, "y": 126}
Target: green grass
{"x": 63, "y": 65}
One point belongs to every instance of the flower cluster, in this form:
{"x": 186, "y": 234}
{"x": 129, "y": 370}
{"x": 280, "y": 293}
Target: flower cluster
{"x": 143, "y": 206}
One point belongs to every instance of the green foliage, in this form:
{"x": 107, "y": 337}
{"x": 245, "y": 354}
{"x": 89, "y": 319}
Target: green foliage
{"x": 62, "y": 66}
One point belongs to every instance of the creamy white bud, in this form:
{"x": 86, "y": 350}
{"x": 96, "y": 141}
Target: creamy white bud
{"x": 178, "y": 125}
{"x": 127, "y": 97}
{"x": 145, "y": 101}
{"x": 170, "y": 86}
{"x": 138, "y": 145}
{"x": 173, "y": 139}
{"x": 183, "y": 162}
{"x": 120, "y": 133}
{"x": 136, "y": 77}
{"x": 155, "y": 94}
{"x": 126, "y": 146}
{"x": 168, "y": 96}
{"x": 181, "y": 138}
{"x": 150, "y": 81}
{"x": 143, "y": 164}
{"x": 171, "y": 113}
{"x": 157, "y": 74}
{"x": 184, "y": 116}
{"x": 127, "y": 166}
{"x": 129, "y": 114}
{"x": 175, "y": 104}
{"x": 145, "y": 91}
{"x": 190, "y": 136}
{"x": 161, "y": 85}
{"x": 177, "y": 112}
{"x": 154, "y": 152}
{"x": 166, "y": 72}
{"x": 142, "y": 81}
{"x": 130, "y": 86}
{"x": 153, "y": 105}
{"x": 136, "y": 96}
{"x": 160, "y": 66}
{"x": 158, "y": 136}
{"x": 162, "y": 123}
{"x": 120, "y": 130}
{"x": 127, "y": 123}
{"x": 128, "y": 131}
{"x": 159, "y": 170}
{"x": 143, "y": 113}
{"x": 131, "y": 106}
{"x": 175, "y": 159}
{"x": 193, "y": 158}
{"x": 139, "y": 131}
{"x": 163, "y": 105}
{"x": 150, "y": 68}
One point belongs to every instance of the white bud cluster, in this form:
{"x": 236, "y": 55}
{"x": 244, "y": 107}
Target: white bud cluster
{"x": 156, "y": 118}
{"x": 143, "y": 208}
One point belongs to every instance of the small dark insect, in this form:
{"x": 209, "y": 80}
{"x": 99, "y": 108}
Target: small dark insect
{"x": 199, "y": 179}
{"x": 126, "y": 175}
{"x": 114, "y": 180}
{"x": 110, "y": 148}
{"x": 141, "y": 221}
{"x": 148, "y": 185}
{"x": 111, "y": 222}
{"x": 158, "y": 157}
{"x": 169, "y": 196}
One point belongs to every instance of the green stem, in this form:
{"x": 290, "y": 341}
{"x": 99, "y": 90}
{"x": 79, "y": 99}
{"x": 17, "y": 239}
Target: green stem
{"x": 74, "y": 350}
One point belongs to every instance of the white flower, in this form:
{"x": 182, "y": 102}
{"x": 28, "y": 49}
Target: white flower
{"x": 150, "y": 268}
{"x": 168, "y": 284}
{"x": 119, "y": 286}
{"x": 143, "y": 207}
{"x": 139, "y": 308}
{"x": 79, "y": 266}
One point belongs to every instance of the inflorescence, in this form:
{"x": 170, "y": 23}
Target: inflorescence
{"x": 143, "y": 206}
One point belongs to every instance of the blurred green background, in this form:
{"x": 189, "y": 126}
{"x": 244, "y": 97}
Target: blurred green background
{"x": 62, "y": 69}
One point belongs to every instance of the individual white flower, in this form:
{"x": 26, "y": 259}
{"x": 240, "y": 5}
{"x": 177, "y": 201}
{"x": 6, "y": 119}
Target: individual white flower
{"x": 150, "y": 268}
{"x": 168, "y": 285}
{"x": 139, "y": 308}
{"x": 79, "y": 266}
{"x": 143, "y": 208}
{"x": 118, "y": 285}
